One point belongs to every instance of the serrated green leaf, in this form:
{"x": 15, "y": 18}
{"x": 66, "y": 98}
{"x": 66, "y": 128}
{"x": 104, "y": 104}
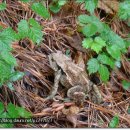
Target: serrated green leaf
{"x": 23, "y": 29}
{"x": 1, "y": 28}
{"x": 128, "y": 110}
{"x": 55, "y": 8}
{"x": 104, "y": 59}
{"x": 5, "y": 71}
{"x": 124, "y": 10}
{"x": 12, "y": 111}
{"x": 4, "y": 46}
{"x": 115, "y": 39}
{"x": 89, "y": 30}
{"x": 16, "y": 76}
{"x": 1, "y": 107}
{"x": 6, "y": 125}
{"x": 86, "y": 43}
{"x": 98, "y": 44}
{"x": 7, "y": 36}
{"x": 32, "y": 22}
{"x": 2, "y": 6}
{"x": 25, "y": 1}
{"x": 80, "y": 1}
{"x": 114, "y": 122}
{"x": 40, "y": 9}
{"x": 62, "y": 2}
{"x": 10, "y": 86}
{"x": 91, "y": 20}
{"x": 126, "y": 84}
{"x": 4, "y": 115}
{"x": 104, "y": 73}
{"x": 23, "y": 112}
{"x": 127, "y": 43}
{"x": 90, "y": 5}
{"x": 84, "y": 19}
{"x": 30, "y": 29}
{"x": 112, "y": 38}
{"x": 35, "y": 34}
{"x": 93, "y": 65}
{"x": 114, "y": 51}
{"x": 8, "y": 58}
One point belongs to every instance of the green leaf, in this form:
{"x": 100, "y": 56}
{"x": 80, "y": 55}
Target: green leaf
{"x": 128, "y": 110}
{"x": 7, "y": 36}
{"x": 4, "y": 115}
{"x": 92, "y": 21}
{"x": 86, "y": 43}
{"x": 112, "y": 38}
{"x": 55, "y": 8}
{"x": 6, "y": 125}
{"x": 1, "y": 28}
{"x": 84, "y": 19}
{"x": 23, "y": 29}
{"x": 93, "y": 65}
{"x": 12, "y": 111}
{"x": 124, "y": 10}
{"x": 80, "y": 1}
{"x": 23, "y": 112}
{"x": 104, "y": 59}
{"x": 8, "y": 58}
{"x": 5, "y": 71}
{"x": 89, "y": 30}
{"x": 2, "y": 6}
{"x": 25, "y": 1}
{"x": 35, "y": 34}
{"x": 95, "y": 45}
{"x": 114, "y": 51}
{"x": 40, "y": 10}
{"x": 16, "y": 76}
{"x": 104, "y": 73}
{"x": 127, "y": 43}
{"x": 90, "y": 5}
{"x": 114, "y": 122}
{"x": 98, "y": 44}
{"x": 1, "y": 107}
{"x": 10, "y": 86}
{"x": 32, "y": 22}
{"x": 126, "y": 84}
{"x": 62, "y": 2}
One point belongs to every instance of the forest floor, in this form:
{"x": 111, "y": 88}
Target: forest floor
{"x": 31, "y": 91}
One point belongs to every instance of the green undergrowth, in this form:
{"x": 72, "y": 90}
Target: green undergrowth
{"x": 11, "y": 112}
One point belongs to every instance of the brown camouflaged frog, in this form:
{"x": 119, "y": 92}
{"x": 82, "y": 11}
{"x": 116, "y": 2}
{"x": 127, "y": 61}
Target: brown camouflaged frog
{"x": 74, "y": 77}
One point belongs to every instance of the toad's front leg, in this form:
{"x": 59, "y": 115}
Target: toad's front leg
{"x": 56, "y": 84}
{"x": 57, "y": 76}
